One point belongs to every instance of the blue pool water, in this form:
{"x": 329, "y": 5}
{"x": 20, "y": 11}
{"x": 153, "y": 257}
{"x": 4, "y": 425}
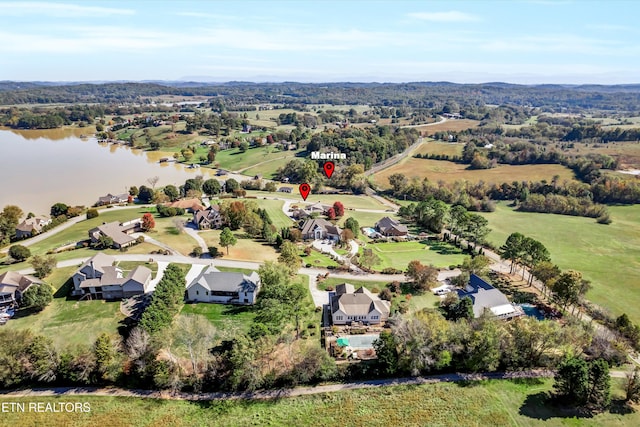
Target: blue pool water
{"x": 531, "y": 310}
{"x": 361, "y": 342}
{"x": 369, "y": 230}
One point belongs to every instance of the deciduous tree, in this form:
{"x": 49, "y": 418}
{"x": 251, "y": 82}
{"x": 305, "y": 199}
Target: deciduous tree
{"x": 227, "y": 239}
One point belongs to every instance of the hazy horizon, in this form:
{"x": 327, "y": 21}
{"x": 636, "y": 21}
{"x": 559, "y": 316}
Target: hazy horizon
{"x": 520, "y": 42}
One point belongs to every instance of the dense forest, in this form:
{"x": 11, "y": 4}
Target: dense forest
{"x": 416, "y": 95}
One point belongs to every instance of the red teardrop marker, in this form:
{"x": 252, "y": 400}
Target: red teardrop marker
{"x": 305, "y": 189}
{"x": 328, "y": 168}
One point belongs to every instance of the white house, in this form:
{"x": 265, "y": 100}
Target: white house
{"x": 224, "y": 287}
{"x": 349, "y": 305}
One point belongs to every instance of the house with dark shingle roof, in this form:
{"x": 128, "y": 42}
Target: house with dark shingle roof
{"x": 207, "y": 219}
{"x": 100, "y": 279}
{"x": 318, "y": 228}
{"x": 110, "y": 199}
{"x": 390, "y": 227}
{"x": 13, "y": 285}
{"x": 486, "y": 297}
{"x": 224, "y": 287}
{"x": 31, "y": 226}
{"x": 360, "y": 305}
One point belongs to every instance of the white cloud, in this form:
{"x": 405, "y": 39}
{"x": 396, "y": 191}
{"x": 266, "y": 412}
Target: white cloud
{"x": 62, "y": 10}
{"x": 451, "y": 16}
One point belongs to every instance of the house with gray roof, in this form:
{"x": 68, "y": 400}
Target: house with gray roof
{"x": 13, "y": 285}
{"x": 390, "y": 227}
{"x": 224, "y": 287}
{"x": 319, "y": 228}
{"x": 98, "y": 278}
{"x": 119, "y": 232}
{"x": 486, "y": 297}
{"x": 111, "y": 199}
{"x": 31, "y": 226}
{"x": 207, "y": 219}
{"x": 349, "y": 305}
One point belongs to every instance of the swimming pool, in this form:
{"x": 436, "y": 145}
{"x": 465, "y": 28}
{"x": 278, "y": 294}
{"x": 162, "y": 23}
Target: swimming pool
{"x": 359, "y": 342}
{"x": 532, "y": 310}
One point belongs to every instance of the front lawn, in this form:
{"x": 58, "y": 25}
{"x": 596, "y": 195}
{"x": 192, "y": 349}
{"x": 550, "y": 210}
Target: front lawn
{"x": 245, "y": 249}
{"x": 399, "y": 254}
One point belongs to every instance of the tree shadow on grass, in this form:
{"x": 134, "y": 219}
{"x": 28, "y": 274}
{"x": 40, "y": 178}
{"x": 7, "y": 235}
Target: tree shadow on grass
{"x": 235, "y": 310}
{"x": 442, "y": 248}
{"x": 540, "y": 407}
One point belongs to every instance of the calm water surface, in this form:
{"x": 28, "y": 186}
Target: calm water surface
{"x": 41, "y": 168}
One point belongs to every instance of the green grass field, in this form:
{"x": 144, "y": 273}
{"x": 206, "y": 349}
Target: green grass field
{"x": 235, "y": 160}
{"x": 71, "y": 322}
{"x": 430, "y": 146}
{"x": 608, "y": 255}
{"x": 274, "y": 209}
{"x": 224, "y": 317}
{"x": 399, "y": 254}
{"x": 488, "y": 403}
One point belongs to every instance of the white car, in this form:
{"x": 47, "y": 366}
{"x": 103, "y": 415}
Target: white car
{"x": 442, "y": 291}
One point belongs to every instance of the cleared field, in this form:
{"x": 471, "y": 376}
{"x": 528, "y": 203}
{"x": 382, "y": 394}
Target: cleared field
{"x": 70, "y": 322}
{"x": 435, "y": 147}
{"x": 269, "y": 169}
{"x": 487, "y": 403}
{"x": 441, "y": 170}
{"x": 399, "y": 254}
{"x": 608, "y": 255}
{"x": 245, "y": 249}
{"x": 628, "y": 153}
{"x": 452, "y": 125}
{"x": 349, "y": 201}
{"x": 168, "y": 233}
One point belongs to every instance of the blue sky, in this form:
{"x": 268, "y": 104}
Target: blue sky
{"x": 535, "y": 41}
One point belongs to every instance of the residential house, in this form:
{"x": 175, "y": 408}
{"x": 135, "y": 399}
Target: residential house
{"x": 319, "y": 228}
{"x": 390, "y": 227}
{"x": 189, "y": 205}
{"x": 318, "y": 208}
{"x": 31, "y": 226}
{"x": 349, "y": 305}
{"x": 209, "y": 218}
{"x": 486, "y": 297}
{"x": 224, "y": 287}
{"x": 110, "y": 199}
{"x": 120, "y": 233}
{"x": 13, "y": 285}
{"x": 100, "y": 279}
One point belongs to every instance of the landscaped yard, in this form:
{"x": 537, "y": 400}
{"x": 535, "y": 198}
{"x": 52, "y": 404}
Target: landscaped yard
{"x": 487, "y": 403}
{"x": 399, "y": 254}
{"x": 71, "y": 322}
{"x": 274, "y": 209}
{"x": 608, "y": 255}
{"x": 245, "y": 250}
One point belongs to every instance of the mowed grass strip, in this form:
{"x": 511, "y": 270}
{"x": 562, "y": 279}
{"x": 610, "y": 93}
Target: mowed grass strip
{"x": 488, "y": 403}
{"x": 234, "y": 159}
{"x": 608, "y": 255}
{"x": 430, "y": 146}
{"x": 449, "y": 172}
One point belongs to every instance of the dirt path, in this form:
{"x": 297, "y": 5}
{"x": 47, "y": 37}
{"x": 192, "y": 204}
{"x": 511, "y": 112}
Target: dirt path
{"x": 282, "y": 392}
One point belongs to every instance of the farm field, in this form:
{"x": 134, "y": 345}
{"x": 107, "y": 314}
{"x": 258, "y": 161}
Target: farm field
{"x": 442, "y": 170}
{"x": 495, "y": 403}
{"x": 244, "y": 250}
{"x": 608, "y": 255}
{"x": 399, "y": 254}
{"x": 70, "y": 322}
{"x": 435, "y": 147}
{"x": 452, "y": 125}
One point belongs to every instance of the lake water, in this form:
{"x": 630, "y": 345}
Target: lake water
{"x": 43, "y": 167}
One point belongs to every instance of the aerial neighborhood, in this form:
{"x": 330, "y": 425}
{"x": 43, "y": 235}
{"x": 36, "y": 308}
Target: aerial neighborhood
{"x": 289, "y": 244}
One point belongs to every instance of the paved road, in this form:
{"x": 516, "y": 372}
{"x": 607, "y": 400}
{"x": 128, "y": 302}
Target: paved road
{"x": 282, "y": 392}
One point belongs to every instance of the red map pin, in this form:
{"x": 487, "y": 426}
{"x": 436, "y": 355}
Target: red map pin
{"x": 328, "y": 168}
{"x": 305, "y": 189}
